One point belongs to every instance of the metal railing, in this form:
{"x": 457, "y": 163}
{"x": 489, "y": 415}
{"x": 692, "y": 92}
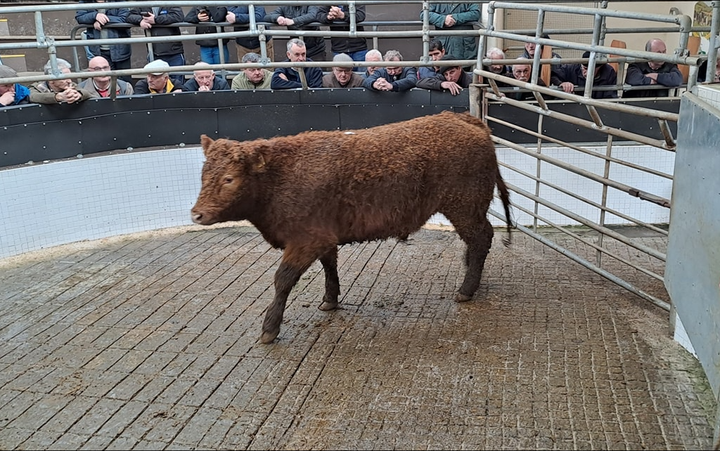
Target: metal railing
{"x": 542, "y": 210}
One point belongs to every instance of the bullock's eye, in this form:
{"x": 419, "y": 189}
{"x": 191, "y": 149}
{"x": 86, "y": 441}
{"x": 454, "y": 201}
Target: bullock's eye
{"x": 227, "y": 179}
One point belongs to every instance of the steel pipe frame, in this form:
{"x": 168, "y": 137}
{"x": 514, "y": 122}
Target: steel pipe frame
{"x": 600, "y": 206}
{"x": 611, "y": 277}
{"x": 607, "y": 158}
{"x": 599, "y": 248}
{"x": 570, "y": 168}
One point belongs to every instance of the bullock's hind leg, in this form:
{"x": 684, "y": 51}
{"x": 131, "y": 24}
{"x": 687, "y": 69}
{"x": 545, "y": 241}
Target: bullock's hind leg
{"x": 477, "y": 235}
{"x": 332, "y": 282}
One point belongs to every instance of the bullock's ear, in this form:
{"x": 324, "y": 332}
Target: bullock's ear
{"x": 206, "y": 142}
{"x": 258, "y": 159}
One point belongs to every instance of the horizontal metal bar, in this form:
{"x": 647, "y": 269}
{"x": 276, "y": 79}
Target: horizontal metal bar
{"x": 583, "y": 123}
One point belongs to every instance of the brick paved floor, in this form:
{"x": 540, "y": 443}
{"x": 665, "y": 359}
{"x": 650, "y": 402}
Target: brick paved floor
{"x": 150, "y": 341}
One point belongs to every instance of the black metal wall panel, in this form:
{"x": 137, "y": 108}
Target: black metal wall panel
{"x": 49, "y": 132}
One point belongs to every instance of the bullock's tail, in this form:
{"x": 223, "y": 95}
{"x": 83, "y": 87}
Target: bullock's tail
{"x": 505, "y": 198}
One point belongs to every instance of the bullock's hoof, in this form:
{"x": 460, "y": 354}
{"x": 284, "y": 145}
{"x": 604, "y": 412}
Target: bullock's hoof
{"x": 268, "y": 337}
{"x": 462, "y": 297}
{"x": 327, "y": 306}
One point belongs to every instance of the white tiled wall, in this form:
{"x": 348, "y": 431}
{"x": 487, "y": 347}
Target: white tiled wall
{"x": 90, "y": 198}
{"x": 710, "y": 94}
{"x": 60, "y": 202}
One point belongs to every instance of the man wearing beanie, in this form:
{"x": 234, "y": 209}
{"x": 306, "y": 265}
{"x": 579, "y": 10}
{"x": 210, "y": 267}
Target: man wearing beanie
{"x": 12, "y": 93}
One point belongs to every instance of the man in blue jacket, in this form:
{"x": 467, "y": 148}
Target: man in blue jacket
{"x": 152, "y": 19}
{"x": 12, "y": 93}
{"x": 289, "y": 77}
{"x": 118, "y": 55}
{"x": 392, "y": 78}
{"x": 240, "y": 15}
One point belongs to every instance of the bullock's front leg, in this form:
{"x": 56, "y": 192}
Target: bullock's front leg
{"x": 332, "y": 282}
{"x": 294, "y": 263}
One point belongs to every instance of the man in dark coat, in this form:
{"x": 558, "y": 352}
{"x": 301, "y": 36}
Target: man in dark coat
{"x": 570, "y": 77}
{"x": 652, "y": 73}
{"x": 118, "y": 55}
{"x": 392, "y": 78}
{"x": 209, "y": 49}
{"x": 297, "y": 18}
{"x": 339, "y": 20}
{"x": 448, "y": 78}
{"x": 289, "y": 77}
{"x": 204, "y": 79}
{"x": 148, "y": 18}
{"x": 240, "y": 16}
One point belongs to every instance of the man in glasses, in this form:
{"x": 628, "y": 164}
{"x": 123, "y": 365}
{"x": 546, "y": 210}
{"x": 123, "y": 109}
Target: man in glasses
{"x": 100, "y": 86}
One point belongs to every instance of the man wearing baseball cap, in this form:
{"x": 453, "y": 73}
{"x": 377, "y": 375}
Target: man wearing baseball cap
{"x": 12, "y": 93}
{"x": 158, "y": 81}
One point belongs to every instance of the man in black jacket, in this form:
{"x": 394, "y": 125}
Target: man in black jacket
{"x": 448, "y": 78}
{"x": 209, "y": 49}
{"x": 570, "y": 77}
{"x": 240, "y": 15}
{"x": 148, "y": 18}
{"x": 339, "y": 20}
{"x": 297, "y": 18}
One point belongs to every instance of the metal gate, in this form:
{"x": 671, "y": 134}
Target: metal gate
{"x": 613, "y": 191}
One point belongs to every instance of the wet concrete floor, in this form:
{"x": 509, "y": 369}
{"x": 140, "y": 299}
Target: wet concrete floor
{"x": 149, "y": 341}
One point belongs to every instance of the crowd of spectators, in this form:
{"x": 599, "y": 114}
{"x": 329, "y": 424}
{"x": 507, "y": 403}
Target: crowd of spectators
{"x": 164, "y": 55}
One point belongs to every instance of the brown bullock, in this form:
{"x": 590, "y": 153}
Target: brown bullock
{"x": 311, "y": 192}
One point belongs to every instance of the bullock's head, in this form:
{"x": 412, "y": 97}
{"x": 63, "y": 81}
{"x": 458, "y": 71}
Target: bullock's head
{"x": 228, "y": 180}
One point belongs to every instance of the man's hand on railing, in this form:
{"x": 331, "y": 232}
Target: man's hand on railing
{"x": 148, "y": 21}
{"x": 567, "y": 87}
{"x": 284, "y": 21}
{"x": 100, "y": 20}
{"x": 336, "y": 13}
{"x": 230, "y": 17}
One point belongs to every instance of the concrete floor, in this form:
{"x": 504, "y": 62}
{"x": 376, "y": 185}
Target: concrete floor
{"x": 150, "y": 341}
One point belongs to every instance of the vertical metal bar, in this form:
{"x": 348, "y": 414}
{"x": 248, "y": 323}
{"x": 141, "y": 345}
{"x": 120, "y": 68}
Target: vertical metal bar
{"x": 538, "y": 54}
{"x": 221, "y": 49}
{"x": 713, "y": 42}
{"x": 353, "y": 19}
{"x": 151, "y": 54}
{"x": 603, "y": 28}
{"x": 538, "y": 169}
{"x": 590, "y": 78}
{"x": 425, "y": 31}
{"x": 603, "y": 201}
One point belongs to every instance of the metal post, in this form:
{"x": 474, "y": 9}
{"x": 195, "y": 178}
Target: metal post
{"x": 426, "y": 31}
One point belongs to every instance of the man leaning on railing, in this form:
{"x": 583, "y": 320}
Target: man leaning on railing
{"x": 12, "y": 93}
